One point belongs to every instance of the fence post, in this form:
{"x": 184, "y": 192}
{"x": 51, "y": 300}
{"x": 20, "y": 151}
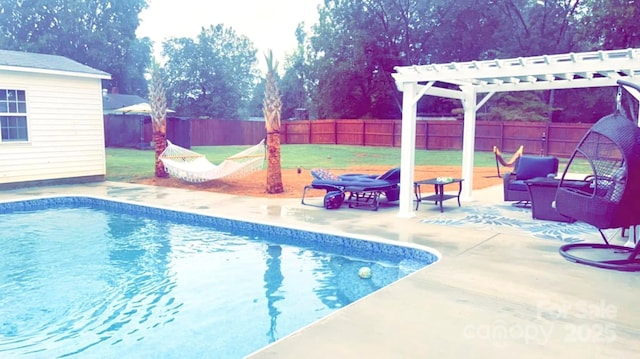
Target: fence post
{"x": 426, "y": 134}
{"x": 364, "y": 132}
{"x": 546, "y": 137}
{"x": 393, "y": 134}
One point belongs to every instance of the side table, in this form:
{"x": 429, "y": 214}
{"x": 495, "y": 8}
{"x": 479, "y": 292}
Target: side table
{"x": 438, "y": 186}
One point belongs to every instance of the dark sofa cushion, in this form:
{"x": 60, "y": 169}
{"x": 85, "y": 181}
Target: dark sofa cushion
{"x": 518, "y": 185}
{"x": 535, "y": 166}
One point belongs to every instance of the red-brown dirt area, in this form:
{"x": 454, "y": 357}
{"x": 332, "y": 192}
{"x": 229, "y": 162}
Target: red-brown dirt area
{"x": 254, "y": 185}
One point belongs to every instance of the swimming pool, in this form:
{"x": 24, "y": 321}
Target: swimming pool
{"x": 93, "y": 277}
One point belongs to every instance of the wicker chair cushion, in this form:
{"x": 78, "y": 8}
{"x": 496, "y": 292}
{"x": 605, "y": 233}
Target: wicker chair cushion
{"x": 518, "y": 186}
{"x": 533, "y": 166}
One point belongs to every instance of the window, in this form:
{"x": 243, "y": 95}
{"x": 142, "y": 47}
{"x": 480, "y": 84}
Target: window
{"x": 13, "y": 115}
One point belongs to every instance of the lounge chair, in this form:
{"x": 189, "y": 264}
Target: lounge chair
{"x": 527, "y": 167}
{"x": 364, "y": 190}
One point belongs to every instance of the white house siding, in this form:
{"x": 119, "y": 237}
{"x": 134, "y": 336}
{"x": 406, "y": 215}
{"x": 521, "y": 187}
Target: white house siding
{"x": 66, "y": 136}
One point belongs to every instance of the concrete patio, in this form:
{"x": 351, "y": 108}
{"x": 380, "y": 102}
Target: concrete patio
{"x": 492, "y": 294}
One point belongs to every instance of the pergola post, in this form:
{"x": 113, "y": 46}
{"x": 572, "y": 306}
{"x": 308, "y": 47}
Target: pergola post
{"x": 468, "y": 140}
{"x": 408, "y": 149}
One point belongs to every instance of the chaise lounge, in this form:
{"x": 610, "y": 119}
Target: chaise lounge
{"x": 364, "y": 190}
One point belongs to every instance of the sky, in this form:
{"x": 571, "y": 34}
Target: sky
{"x": 269, "y": 24}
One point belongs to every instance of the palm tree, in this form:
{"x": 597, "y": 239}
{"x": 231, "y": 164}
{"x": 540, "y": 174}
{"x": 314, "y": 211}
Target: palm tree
{"x": 272, "y": 108}
{"x": 157, "y": 95}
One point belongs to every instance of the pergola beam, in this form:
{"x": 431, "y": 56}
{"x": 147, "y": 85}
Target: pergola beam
{"x": 620, "y": 60}
{"x": 484, "y": 100}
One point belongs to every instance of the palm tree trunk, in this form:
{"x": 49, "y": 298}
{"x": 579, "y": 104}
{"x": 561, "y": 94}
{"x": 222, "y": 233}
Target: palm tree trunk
{"x": 160, "y": 141}
{"x": 274, "y": 171}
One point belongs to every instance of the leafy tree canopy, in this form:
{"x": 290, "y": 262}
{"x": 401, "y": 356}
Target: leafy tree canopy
{"x": 610, "y": 24}
{"x": 524, "y": 106}
{"x": 97, "y": 33}
{"x": 342, "y": 68}
{"x": 293, "y": 85}
{"x": 212, "y": 75}
{"x": 357, "y": 43}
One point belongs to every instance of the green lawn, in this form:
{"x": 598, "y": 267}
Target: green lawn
{"x": 128, "y": 164}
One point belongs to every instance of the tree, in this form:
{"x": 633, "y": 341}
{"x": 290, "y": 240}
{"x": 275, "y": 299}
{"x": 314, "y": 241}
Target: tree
{"x": 519, "y": 28}
{"x": 212, "y": 75}
{"x": 292, "y": 84}
{"x": 272, "y": 110}
{"x": 158, "y": 98}
{"x": 97, "y": 33}
{"x": 257, "y": 99}
{"x": 462, "y": 29}
{"x": 356, "y": 46}
{"x": 342, "y": 69}
{"x": 617, "y": 24}
{"x": 357, "y": 43}
{"x": 524, "y": 106}
{"x": 294, "y": 81}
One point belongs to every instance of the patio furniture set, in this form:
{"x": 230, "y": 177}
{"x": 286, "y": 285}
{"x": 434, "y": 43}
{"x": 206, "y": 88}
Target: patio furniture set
{"x": 364, "y": 191}
{"x": 607, "y": 198}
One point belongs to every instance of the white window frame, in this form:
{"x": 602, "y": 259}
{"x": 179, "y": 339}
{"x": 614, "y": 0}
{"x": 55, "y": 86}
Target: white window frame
{"x": 13, "y": 108}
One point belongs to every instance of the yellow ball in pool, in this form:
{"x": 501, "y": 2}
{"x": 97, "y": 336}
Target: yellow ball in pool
{"x": 365, "y": 272}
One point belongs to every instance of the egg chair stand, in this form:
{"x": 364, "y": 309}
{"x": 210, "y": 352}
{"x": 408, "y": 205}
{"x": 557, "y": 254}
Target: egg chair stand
{"x": 603, "y": 255}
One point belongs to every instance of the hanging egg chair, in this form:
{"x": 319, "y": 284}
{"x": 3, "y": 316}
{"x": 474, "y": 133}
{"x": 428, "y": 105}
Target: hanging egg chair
{"x": 611, "y": 149}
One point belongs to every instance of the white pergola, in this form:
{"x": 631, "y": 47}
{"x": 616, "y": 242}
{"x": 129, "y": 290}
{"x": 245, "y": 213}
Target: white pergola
{"x": 465, "y": 81}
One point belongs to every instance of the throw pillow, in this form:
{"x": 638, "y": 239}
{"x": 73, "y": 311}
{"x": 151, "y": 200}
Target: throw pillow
{"x": 323, "y": 174}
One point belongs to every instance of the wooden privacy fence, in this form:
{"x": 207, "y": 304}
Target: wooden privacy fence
{"x": 226, "y": 132}
{"x": 203, "y": 132}
{"x": 556, "y": 139}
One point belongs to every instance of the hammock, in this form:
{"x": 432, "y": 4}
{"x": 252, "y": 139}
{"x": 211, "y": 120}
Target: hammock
{"x": 501, "y": 161}
{"x": 193, "y": 167}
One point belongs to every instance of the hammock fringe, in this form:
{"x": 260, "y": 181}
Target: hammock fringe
{"x": 194, "y": 167}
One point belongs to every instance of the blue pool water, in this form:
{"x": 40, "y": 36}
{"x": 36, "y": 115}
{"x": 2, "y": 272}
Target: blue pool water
{"x": 88, "y": 277}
